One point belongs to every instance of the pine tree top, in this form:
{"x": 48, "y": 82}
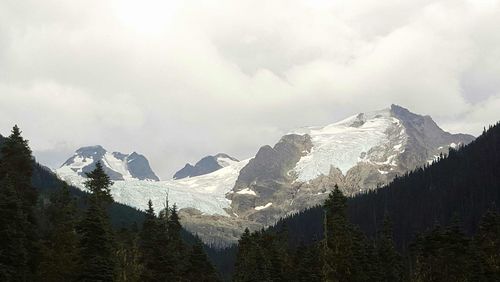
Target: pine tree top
{"x": 99, "y": 184}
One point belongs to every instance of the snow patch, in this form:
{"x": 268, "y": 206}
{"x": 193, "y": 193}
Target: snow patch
{"x": 223, "y": 162}
{"x": 117, "y": 165}
{"x": 263, "y": 207}
{"x": 246, "y": 191}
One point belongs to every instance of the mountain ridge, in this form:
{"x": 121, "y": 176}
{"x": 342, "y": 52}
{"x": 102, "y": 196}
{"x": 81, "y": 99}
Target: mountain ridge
{"x": 205, "y": 165}
{"x": 118, "y": 166}
{"x": 359, "y": 153}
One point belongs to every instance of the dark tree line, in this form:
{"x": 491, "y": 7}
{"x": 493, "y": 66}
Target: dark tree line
{"x": 54, "y": 239}
{"x": 346, "y": 254}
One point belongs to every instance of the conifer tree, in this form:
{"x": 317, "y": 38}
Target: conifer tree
{"x": 147, "y": 244}
{"x": 444, "y": 254}
{"x": 389, "y": 261}
{"x": 129, "y": 268}
{"x": 199, "y": 268}
{"x": 13, "y": 241}
{"x": 337, "y": 252}
{"x": 487, "y": 243}
{"x": 99, "y": 183}
{"x": 97, "y": 244}
{"x": 176, "y": 253}
{"x": 306, "y": 266}
{"x": 60, "y": 249}
{"x": 154, "y": 247}
{"x": 18, "y": 199}
{"x": 244, "y": 259}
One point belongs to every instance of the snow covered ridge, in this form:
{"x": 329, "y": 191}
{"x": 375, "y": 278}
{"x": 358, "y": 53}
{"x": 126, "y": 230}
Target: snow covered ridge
{"x": 357, "y": 153}
{"x": 206, "y": 193}
{"x": 117, "y": 165}
{"x": 345, "y": 143}
{"x": 377, "y": 138}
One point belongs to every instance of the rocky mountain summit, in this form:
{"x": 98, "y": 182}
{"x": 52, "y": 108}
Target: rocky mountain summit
{"x": 206, "y": 165}
{"x": 118, "y": 166}
{"x": 359, "y": 153}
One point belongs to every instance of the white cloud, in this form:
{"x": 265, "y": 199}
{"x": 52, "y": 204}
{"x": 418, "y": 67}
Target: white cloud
{"x": 177, "y": 80}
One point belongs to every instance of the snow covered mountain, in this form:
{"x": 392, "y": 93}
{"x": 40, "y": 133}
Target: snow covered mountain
{"x": 206, "y": 165}
{"x": 118, "y": 166}
{"x": 358, "y": 153}
{"x": 220, "y": 196}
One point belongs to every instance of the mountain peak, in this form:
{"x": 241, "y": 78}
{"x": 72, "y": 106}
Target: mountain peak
{"x": 206, "y": 165}
{"x": 118, "y": 166}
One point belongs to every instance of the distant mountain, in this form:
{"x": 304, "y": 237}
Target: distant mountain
{"x": 360, "y": 153}
{"x": 206, "y": 165}
{"x": 118, "y": 166}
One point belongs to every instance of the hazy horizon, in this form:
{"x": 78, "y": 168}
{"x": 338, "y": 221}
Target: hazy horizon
{"x": 179, "y": 80}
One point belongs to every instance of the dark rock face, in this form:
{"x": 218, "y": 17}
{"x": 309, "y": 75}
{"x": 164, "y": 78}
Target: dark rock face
{"x": 139, "y": 167}
{"x": 424, "y": 138}
{"x": 206, "y": 165}
{"x": 272, "y": 164}
{"x": 268, "y": 175}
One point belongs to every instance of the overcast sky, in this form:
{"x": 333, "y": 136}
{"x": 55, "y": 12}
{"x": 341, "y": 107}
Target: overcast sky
{"x": 178, "y": 80}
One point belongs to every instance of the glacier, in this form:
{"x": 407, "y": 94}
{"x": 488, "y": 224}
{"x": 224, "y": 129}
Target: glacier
{"x": 206, "y": 193}
{"x": 343, "y": 143}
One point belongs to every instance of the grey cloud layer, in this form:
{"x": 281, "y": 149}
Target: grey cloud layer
{"x": 177, "y": 80}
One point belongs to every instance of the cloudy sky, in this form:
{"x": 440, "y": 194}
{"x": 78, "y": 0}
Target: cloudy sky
{"x": 177, "y": 80}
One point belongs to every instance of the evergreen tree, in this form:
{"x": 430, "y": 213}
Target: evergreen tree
{"x": 338, "y": 246}
{"x": 487, "y": 242}
{"x": 444, "y": 254}
{"x": 176, "y": 253}
{"x": 275, "y": 251}
{"x": 13, "y": 241}
{"x": 154, "y": 247}
{"x": 245, "y": 259}
{"x": 147, "y": 244}
{"x": 17, "y": 163}
{"x": 306, "y": 266}
{"x": 390, "y": 267}
{"x": 60, "y": 250}
{"x": 99, "y": 183}
{"x": 97, "y": 244}
{"x": 199, "y": 268}
{"x": 129, "y": 268}
{"x": 18, "y": 199}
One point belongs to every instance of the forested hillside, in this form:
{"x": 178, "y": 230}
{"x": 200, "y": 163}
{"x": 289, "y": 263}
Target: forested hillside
{"x": 52, "y": 232}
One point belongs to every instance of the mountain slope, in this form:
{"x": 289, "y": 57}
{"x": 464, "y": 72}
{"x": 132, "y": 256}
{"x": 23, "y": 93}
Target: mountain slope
{"x": 463, "y": 186}
{"x": 206, "y": 165}
{"x": 358, "y": 153}
{"x": 118, "y": 166}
